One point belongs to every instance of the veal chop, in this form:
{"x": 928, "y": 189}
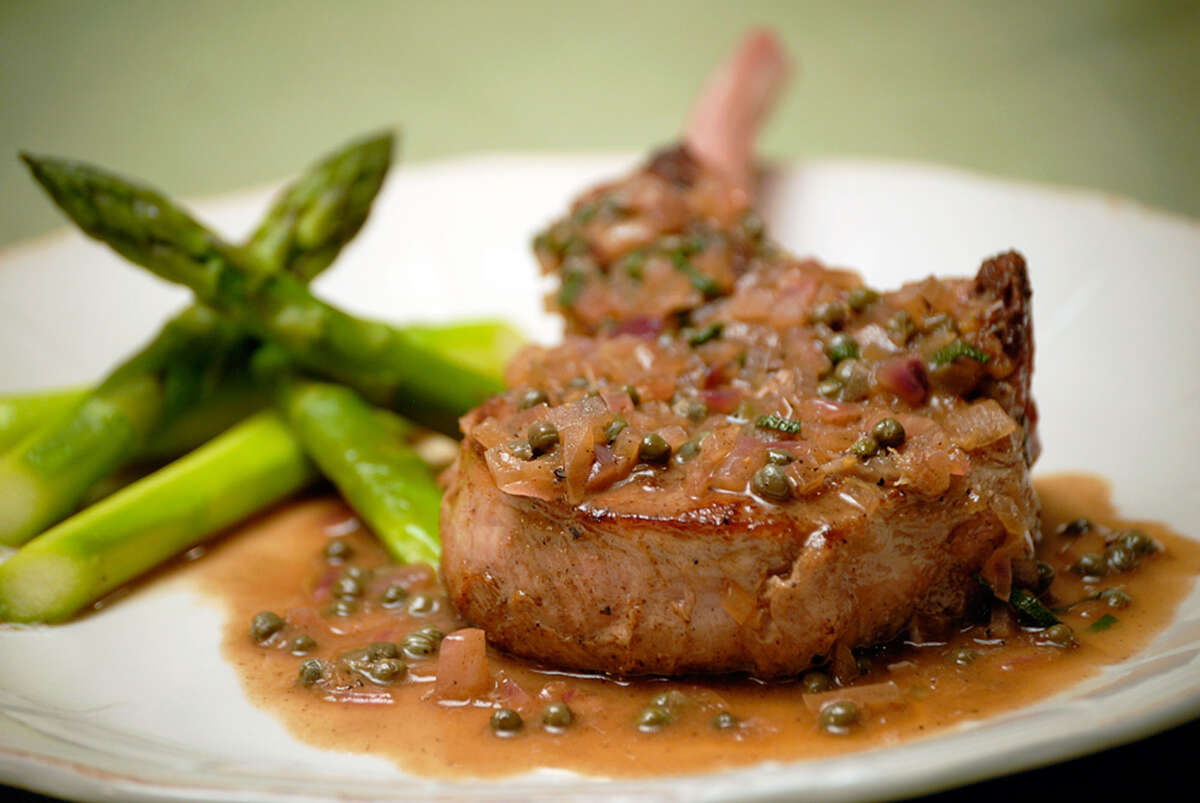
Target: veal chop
{"x": 739, "y": 460}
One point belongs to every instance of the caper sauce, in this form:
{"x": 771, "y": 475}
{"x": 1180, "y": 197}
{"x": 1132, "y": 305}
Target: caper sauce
{"x": 387, "y": 648}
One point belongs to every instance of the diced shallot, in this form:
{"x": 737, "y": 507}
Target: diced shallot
{"x": 462, "y": 668}
{"x": 746, "y": 457}
{"x": 978, "y": 425}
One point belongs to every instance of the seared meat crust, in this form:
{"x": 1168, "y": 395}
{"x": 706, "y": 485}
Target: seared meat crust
{"x": 719, "y": 586}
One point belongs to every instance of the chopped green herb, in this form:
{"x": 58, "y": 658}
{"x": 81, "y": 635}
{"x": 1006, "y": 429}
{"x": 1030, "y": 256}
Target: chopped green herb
{"x": 1030, "y": 609}
{"x": 1103, "y": 623}
{"x": 586, "y": 212}
{"x": 779, "y": 423}
{"x": 572, "y": 285}
{"x": 634, "y": 265}
{"x": 707, "y": 285}
{"x": 949, "y": 353}
{"x": 862, "y": 297}
{"x": 698, "y": 336}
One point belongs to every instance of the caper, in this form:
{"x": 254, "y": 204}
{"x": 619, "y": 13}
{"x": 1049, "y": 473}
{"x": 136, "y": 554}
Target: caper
{"x": 862, "y": 297}
{"x": 865, "y": 447}
{"x": 1090, "y": 564}
{"x": 889, "y": 432}
{"x": 1076, "y": 527}
{"x": 841, "y": 347}
{"x": 1059, "y": 635}
{"x": 532, "y": 398}
{"x": 337, "y": 551}
{"x": 723, "y": 721}
{"x": 1045, "y": 576}
{"x": 311, "y": 671}
{"x": 543, "y": 436}
{"x": 816, "y": 682}
{"x": 829, "y": 388}
{"x": 689, "y": 450}
{"x": 654, "y": 449}
{"x": 614, "y": 429}
{"x": 264, "y": 625}
{"x": 900, "y": 327}
{"x": 422, "y": 605}
{"x": 394, "y": 595}
{"x": 839, "y": 716}
{"x": 302, "y": 644}
{"x": 771, "y": 482}
{"x": 780, "y": 457}
{"x": 963, "y": 656}
{"x": 696, "y": 411}
{"x": 1120, "y": 558}
{"x": 388, "y": 669}
{"x": 557, "y": 716}
{"x": 832, "y": 314}
{"x": 382, "y": 649}
{"x": 634, "y": 266}
{"x": 653, "y": 718}
{"x": 346, "y": 586}
{"x": 855, "y": 379}
{"x": 846, "y": 369}
{"x": 343, "y": 606}
{"x": 419, "y": 646}
{"x": 431, "y": 632}
{"x": 506, "y": 722}
{"x": 633, "y": 394}
{"x": 752, "y": 226}
{"x": 1116, "y": 598}
{"x": 1138, "y": 542}
{"x": 671, "y": 700}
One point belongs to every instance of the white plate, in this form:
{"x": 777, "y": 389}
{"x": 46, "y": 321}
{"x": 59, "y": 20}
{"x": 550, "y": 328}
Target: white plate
{"x": 135, "y": 702}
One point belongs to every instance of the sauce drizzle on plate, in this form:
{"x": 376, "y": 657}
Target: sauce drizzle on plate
{"x": 281, "y": 563}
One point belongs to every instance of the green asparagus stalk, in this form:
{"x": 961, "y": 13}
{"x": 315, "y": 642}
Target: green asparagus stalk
{"x": 47, "y": 473}
{"x": 389, "y": 366}
{"x": 485, "y": 346}
{"x": 51, "y": 469}
{"x": 252, "y": 466}
{"x": 21, "y": 413}
{"x": 362, "y": 450}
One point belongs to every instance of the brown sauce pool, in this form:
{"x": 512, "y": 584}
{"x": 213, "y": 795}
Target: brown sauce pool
{"x": 278, "y": 564}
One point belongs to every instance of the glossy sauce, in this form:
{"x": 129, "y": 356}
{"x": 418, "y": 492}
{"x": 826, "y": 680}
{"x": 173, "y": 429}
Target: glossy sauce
{"x": 278, "y": 564}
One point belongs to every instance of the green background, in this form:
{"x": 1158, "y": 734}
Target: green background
{"x": 206, "y": 97}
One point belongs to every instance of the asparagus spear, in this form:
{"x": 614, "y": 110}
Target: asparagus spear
{"x": 484, "y": 345}
{"x": 49, "y": 471}
{"x": 21, "y": 413}
{"x": 46, "y": 474}
{"x": 389, "y": 366}
{"x": 252, "y": 466}
{"x": 362, "y": 450}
